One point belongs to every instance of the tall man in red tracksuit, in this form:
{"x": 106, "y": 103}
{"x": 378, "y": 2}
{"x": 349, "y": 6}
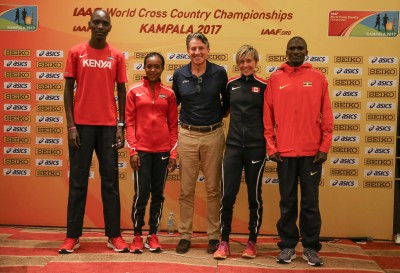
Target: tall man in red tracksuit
{"x": 298, "y": 125}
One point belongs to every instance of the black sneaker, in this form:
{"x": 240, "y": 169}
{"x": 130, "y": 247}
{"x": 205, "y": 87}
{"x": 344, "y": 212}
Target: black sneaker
{"x": 183, "y": 246}
{"x": 212, "y": 246}
{"x": 286, "y": 255}
{"x": 310, "y": 255}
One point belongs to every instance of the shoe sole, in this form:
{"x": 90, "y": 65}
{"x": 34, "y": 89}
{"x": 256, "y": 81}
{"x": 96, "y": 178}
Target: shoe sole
{"x": 312, "y": 264}
{"x": 220, "y": 257}
{"x": 110, "y": 245}
{"x": 245, "y": 255}
{"x": 136, "y": 251}
{"x": 66, "y": 251}
{"x": 158, "y": 249}
{"x": 286, "y": 261}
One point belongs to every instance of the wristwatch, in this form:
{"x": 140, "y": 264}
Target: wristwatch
{"x": 121, "y": 124}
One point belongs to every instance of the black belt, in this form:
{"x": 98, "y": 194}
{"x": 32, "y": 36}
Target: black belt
{"x": 201, "y": 129}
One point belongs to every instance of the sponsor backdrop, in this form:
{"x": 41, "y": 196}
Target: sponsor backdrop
{"x": 355, "y": 46}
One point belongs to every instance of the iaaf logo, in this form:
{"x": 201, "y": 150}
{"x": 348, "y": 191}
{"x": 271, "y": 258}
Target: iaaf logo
{"x": 272, "y": 181}
{"x": 272, "y": 69}
{"x": 49, "y": 119}
{"x": 16, "y": 151}
{"x": 122, "y": 165}
{"x": 347, "y": 93}
{"x": 138, "y": 66}
{"x": 378, "y": 173}
{"x": 49, "y": 75}
{"x": 49, "y": 162}
{"x": 177, "y": 56}
{"x": 382, "y": 83}
{"x": 382, "y": 60}
{"x": 50, "y": 53}
{"x": 16, "y": 172}
{"x": 381, "y": 105}
{"x": 344, "y": 161}
{"x": 343, "y": 183}
{"x": 49, "y": 97}
{"x": 349, "y": 139}
{"x": 378, "y": 151}
{"x": 17, "y": 129}
{"x": 317, "y": 59}
{"x": 169, "y": 78}
{"x": 347, "y": 116}
{"x": 347, "y": 71}
{"x": 379, "y": 128}
{"x": 17, "y": 107}
{"x": 17, "y": 85}
{"x": 49, "y": 141}
{"x": 17, "y": 63}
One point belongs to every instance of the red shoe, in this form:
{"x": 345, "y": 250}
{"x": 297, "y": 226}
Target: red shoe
{"x": 250, "y": 251}
{"x": 137, "y": 245}
{"x": 69, "y": 245}
{"x": 152, "y": 243}
{"x": 118, "y": 244}
{"x": 223, "y": 251}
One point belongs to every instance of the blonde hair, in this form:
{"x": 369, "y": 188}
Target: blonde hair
{"x": 245, "y": 50}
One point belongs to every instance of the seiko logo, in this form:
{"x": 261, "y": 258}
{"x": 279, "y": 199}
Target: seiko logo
{"x": 17, "y": 161}
{"x": 317, "y": 59}
{"x": 17, "y": 118}
{"x": 137, "y": 77}
{"x": 379, "y": 139}
{"x": 272, "y": 69}
{"x": 383, "y": 71}
{"x": 348, "y": 59}
{"x": 49, "y": 119}
{"x": 17, "y": 63}
{"x": 49, "y": 130}
{"x": 217, "y": 57}
{"x": 379, "y": 151}
{"x": 122, "y": 175}
{"x": 19, "y": 140}
{"x": 17, "y": 107}
{"x": 381, "y": 94}
{"x": 344, "y": 172}
{"x": 122, "y": 154}
{"x": 177, "y": 56}
{"x": 236, "y": 68}
{"x": 17, "y": 85}
{"x": 48, "y": 151}
{"x": 343, "y": 183}
{"x": 49, "y": 75}
{"x": 347, "y": 71}
{"x": 378, "y": 162}
{"x": 48, "y": 173}
{"x": 276, "y": 58}
{"x": 173, "y": 67}
{"x": 173, "y": 177}
{"x": 354, "y": 139}
{"x": 17, "y": 129}
{"x": 50, "y": 53}
{"x": 16, "y": 151}
{"x": 382, "y": 83}
{"x": 49, "y": 86}
{"x": 378, "y": 184}
{"x": 270, "y": 169}
{"x": 17, "y": 75}
{"x": 349, "y": 82}
{"x": 17, "y": 52}
{"x": 49, "y": 141}
{"x": 96, "y": 63}
{"x": 272, "y": 180}
{"x": 381, "y": 105}
{"x": 17, "y": 96}
{"x": 383, "y": 60}
{"x": 323, "y": 70}
{"x": 140, "y": 55}
{"x": 49, "y": 162}
{"x": 378, "y": 173}
{"x": 379, "y": 128}
{"x": 347, "y": 127}
{"x": 347, "y": 93}
{"x": 49, "y": 108}
{"x": 344, "y": 161}
{"x": 346, "y": 105}
{"x": 51, "y": 64}
{"x": 346, "y": 116}
{"x": 345, "y": 150}
{"x": 16, "y": 172}
{"x": 381, "y": 117}
{"x": 49, "y": 97}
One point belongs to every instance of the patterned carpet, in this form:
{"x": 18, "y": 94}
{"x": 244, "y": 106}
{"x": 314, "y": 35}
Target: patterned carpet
{"x": 31, "y": 250}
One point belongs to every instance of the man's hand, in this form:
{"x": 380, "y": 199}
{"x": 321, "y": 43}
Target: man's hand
{"x": 135, "y": 162}
{"x": 73, "y": 139}
{"x": 171, "y": 165}
{"x": 320, "y": 157}
{"x": 276, "y": 157}
{"x": 120, "y": 139}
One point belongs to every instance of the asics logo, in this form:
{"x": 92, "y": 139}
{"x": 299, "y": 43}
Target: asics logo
{"x": 164, "y": 157}
{"x": 235, "y": 87}
{"x": 255, "y": 161}
{"x": 283, "y": 86}
{"x": 312, "y": 173}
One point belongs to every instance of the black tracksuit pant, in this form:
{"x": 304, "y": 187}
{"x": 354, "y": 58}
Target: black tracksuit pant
{"x": 252, "y": 159}
{"x": 290, "y": 171}
{"x": 150, "y": 178}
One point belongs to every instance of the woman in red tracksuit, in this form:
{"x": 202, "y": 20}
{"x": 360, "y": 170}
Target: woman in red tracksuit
{"x": 152, "y": 131}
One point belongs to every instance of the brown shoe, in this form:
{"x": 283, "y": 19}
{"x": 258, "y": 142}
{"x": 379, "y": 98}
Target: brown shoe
{"x": 212, "y": 246}
{"x": 183, "y": 246}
